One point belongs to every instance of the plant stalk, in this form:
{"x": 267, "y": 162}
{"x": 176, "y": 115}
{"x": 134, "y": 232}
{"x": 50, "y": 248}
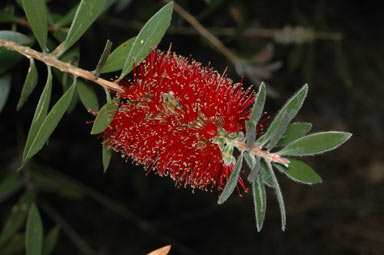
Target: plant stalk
{"x": 63, "y": 66}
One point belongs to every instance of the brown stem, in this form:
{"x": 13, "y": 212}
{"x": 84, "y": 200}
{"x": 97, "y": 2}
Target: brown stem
{"x": 63, "y": 66}
{"x": 205, "y": 33}
{"x": 258, "y": 150}
{"x": 228, "y": 31}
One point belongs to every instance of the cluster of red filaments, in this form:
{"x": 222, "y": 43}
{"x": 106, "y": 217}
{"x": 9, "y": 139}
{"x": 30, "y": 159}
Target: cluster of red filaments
{"x": 169, "y": 114}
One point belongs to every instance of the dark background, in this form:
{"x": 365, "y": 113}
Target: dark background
{"x": 126, "y": 211}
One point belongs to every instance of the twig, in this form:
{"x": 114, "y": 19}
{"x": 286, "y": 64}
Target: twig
{"x": 237, "y": 62}
{"x": 204, "y": 32}
{"x": 63, "y": 66}
{"x": 67, "y": 229}
{"x": 228, "y": 31}
{"x": 25, "y": 23}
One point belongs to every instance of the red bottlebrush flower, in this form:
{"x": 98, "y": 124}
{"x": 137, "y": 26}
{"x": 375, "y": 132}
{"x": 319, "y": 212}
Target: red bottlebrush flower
{"x": 170, "y": 114}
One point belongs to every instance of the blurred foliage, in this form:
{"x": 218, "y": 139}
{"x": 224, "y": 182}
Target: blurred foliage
{"x": 71, "y": 191}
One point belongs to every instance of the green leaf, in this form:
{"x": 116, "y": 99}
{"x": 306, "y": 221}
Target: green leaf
{"x": 50, "y": 240}
{"x": 254, "y": 170}
{"x": 7, "y": 18}
{"x": 72, "y": 56}
{"x": 29, "y": 84}
{"x": 34, "y": 233}
{"x": 254, "y": 117}
{"x": 265, "y": 175}
{"x": 87, "y": 96}
{"x": 315, "y": 143}
{"x": 294, "y": 131}
{"x": 116, "y": 60}
{"x": 258, "y": 106}
{"x": 5, "y": 87}
{"x": 15, "y": 37}
{"x": 16, "y": 245}
{"x": 36, "y": 13}
{"x": 279, "y": 196}
{"x": 232, "y": 182}
{"x": 40, "y": 114}
{"x": 10, "y": 58}
{"x": 149, "y": 36}
{"x": 86, "y": 14}
{"x": 260, "y": 201}
{"x": 278, "y": 132}
{"x": 286, "y": 114}
{"x": 107, "y": 153}
{"x": 17, "y": 216}
{"x": 250, "y": 160}
{"x": 250, "y": 128}
{"x": 104, "y": 117}
{"x": 300, "y": 172}
{"x": 50, "y": 122}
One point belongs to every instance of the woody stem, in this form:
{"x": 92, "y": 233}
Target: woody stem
{"x": 258, "y": 151}
{"x": 63, "y": 66}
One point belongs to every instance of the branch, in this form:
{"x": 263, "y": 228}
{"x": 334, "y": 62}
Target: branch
{"x": 63, "y": 66}
{"x": 205, "y": 33}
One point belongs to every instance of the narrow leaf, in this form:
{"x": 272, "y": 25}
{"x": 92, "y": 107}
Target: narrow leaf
{"x": 294, "y": 131}
{"x": 265, "y": 175}
{"x": 260, "y": 201}
{"x": 116, "y": 60}
{"x": 104, "y": 117}
{"x": 315, "y": 143}
{"x": 107, "y": 153}
{"x": 5, "y": 87}
{"x": 87, "y": 96}
{"x": 249, "y": 159}
{"x": 50, "y": 122}
{"x": 286, "y": 114}
{"x": 86, "y": 14}
{"x": 34, "y": 233}
{"x": 17, "y": 216}
{"x": 36, "y": 13}
{"x": 254, "y": 171}
{"x": 149, "y": 36}
{"x": 255, "y": 116}
{"x": 10, "y": 58}
{"x": 258, "y": 106}
{"x": 50, "y": 240}
{"x": 299, "y": 171}
{"x": 250, "y": 128}
{"x": 232, "y": 182}
{"x": 40, "y": 114}
{"x": 279, "y": 196}
{"x": 278, "y": 132}
{"x": 29, "y": 84}
{"x": 15, "y": 37}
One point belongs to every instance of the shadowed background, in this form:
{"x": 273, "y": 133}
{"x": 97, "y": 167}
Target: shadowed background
{"x": 126, "y": 211}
